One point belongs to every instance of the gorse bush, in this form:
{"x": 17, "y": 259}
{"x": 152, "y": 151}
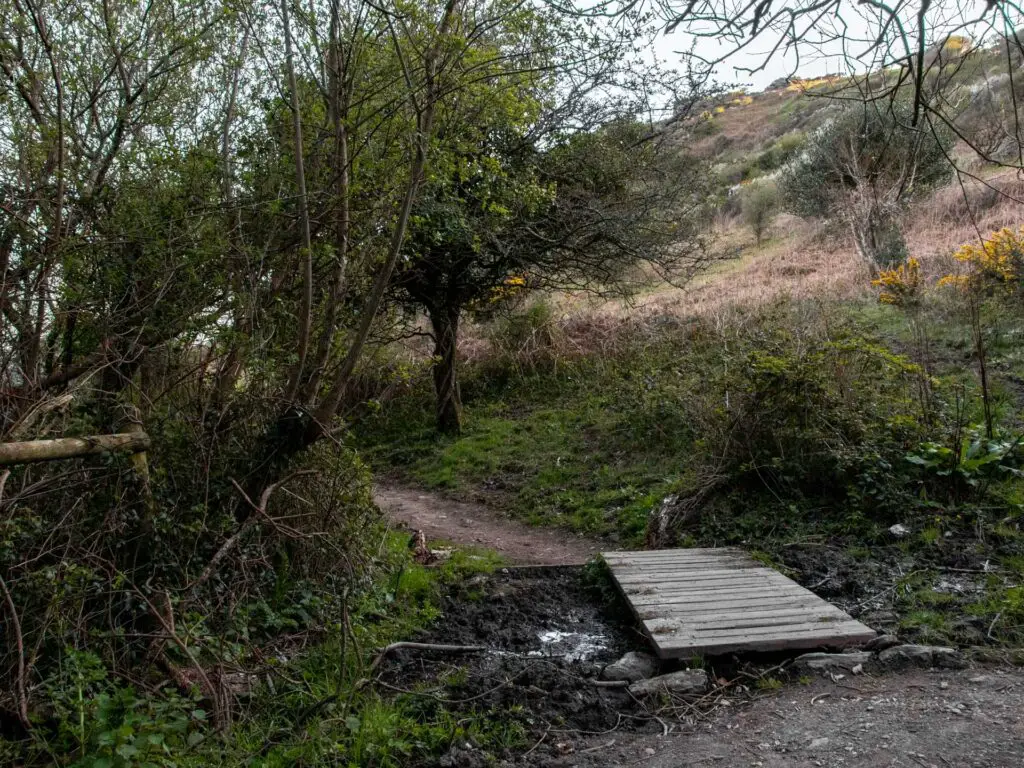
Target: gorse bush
{"x": 995, "y": 264}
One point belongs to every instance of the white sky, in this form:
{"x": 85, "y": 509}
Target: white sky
{"x": 815, "y": 60}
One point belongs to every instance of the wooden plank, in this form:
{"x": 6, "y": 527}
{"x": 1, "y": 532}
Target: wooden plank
{"x": 668, "y": 579}
{"x": 651, "y": 554}
{"x": 674, "y": 636}
{"x": 711, "y": 583}
{"x": 752, "y": 590}
{"x": 702, "y": 627}
{"x": 791, "y": 642}
{"x": 688, "y": 561}
{"x": 725, "y": 606}
{"x": 707, "y": 600}
{"x": 686, "y": 567}
{"x": 663, "y": 575}
{"x": 724, "y": 616}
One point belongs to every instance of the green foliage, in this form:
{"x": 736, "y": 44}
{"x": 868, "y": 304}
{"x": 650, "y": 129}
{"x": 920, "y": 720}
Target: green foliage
{"x": 781, "y": 151}
{"x": 758, "y": 203}
{"x": 974, "y": 461}
{"x": 597, "y": 443}
{"x": 103, "y": 724}
{"x": 862, "y": 167}
{"x": 863, "y": 146}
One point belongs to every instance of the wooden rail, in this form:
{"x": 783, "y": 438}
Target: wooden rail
{"x": 31, "y": 451}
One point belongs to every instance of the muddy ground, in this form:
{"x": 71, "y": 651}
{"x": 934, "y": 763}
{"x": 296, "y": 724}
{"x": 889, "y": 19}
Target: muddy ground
{"x": 548, "y": 634}
{"x": 550, "y": 631}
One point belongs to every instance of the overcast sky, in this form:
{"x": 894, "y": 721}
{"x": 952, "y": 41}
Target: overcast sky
{"x": 814, "y": 59}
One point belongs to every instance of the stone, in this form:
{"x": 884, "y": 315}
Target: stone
{"x": 241, "y": 685}
{"x": 830, "y": 661}
{"x": 631, "y": 667}
{"x": 899, "y": 531}
{"x": 881, "y": 642}
{"x": 948, "y": 658}
{"x": 922, "y": 655}
{"x": 685, "y": 681}
{"x": 819, "y": 743}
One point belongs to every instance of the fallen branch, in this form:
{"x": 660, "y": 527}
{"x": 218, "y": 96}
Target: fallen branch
{"x": 261, "y": 512}
{"x": 31, "y": 451}
{"x": 424, "y": 647}
{"x": 609, "y": 683}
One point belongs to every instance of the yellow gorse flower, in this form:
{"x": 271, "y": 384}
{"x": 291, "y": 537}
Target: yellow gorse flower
{"x": 901, "y": 285}
{"x": 998, "y": 261}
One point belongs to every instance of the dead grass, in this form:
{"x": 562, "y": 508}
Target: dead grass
{"x": 955, "y": 215}
{"x": 802, "y": 260}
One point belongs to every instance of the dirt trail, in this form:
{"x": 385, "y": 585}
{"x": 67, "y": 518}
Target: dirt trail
{"x": 918, "y": 719}
{"x": 478, "y": 526}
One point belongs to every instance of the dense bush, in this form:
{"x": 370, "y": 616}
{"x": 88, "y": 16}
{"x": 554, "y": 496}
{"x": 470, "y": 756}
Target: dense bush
{"x": 862, "y": 167}
{"x": 786, "y": 403}
{"x": 120, "y": 575}
{"x": 758, "y": 203}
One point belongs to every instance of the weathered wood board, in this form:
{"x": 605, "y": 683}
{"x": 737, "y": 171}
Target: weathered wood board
{"x": 713, "y": 601}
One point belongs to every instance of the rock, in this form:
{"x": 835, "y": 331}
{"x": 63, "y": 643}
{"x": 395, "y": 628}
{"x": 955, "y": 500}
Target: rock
{"x": 463, "y": 756}
{"x": 632, "y": 667}
{"x": 240, "y": 685}
{"x": 685, "y": 681}
{"x": 899, "y": 531}
{"x": 820, "y": 743}
{"x": 830, "y": 661}
{"x": 922, "y": 655}
{"x": 948, "y": 658}
{"x": 881, "y": 642}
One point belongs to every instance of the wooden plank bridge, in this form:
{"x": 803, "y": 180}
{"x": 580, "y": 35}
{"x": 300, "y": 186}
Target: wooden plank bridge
{"x": 713, "y": 601}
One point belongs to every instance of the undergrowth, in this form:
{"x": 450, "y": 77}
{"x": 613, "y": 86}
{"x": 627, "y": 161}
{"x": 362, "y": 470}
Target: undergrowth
{"x": 304, "y": 697}
{"x": 802, "y": 423}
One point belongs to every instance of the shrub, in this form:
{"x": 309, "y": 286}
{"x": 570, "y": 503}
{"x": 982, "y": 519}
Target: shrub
{"x": 995, "y": 264}
{"x": 758, "y": 203}
{"x": 863, "y": 167}
{"x": 781, "y": 152}
{"x": 97, "y": 556}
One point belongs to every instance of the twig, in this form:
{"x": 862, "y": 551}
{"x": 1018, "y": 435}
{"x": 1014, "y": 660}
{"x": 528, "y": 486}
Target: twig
{"x": 893, "y": 588}
{"x": 598, "y": 747}
{"x": 445, "y": 700}
{"x": 3, "y": 482}
{"x": 233, "y": 540}
{"x": 424, "y": 647}
{"x": 992, "y": 626}
{"x": 664, "y": 726}
{"x": 168, "y": 625}
{"x": 539, "y": 741}
{"x": 609, "y": 683}
{"x": 20, "y": 642}
{"x": 819, "y": 697}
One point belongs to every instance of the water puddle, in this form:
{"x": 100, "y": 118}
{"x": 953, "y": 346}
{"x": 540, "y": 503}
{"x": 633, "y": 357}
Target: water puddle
{"x": 574, "y": 646}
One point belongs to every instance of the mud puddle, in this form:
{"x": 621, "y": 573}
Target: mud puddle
{"x": 548, "y": 636}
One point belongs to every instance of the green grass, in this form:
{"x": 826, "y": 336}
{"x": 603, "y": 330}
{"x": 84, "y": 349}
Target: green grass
{"x": 557, "y": 452}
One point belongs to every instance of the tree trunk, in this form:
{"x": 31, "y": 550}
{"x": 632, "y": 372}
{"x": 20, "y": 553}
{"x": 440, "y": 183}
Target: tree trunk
{"x": 445, "y": 322}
